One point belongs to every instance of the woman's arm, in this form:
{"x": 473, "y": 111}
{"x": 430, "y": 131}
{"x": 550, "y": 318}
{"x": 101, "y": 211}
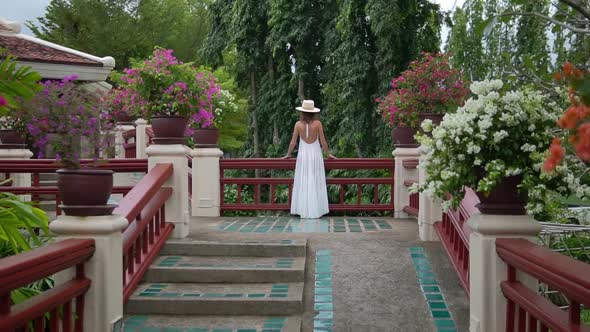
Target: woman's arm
{"x": 324, "y": 142}
{"x": 293, "y": 142}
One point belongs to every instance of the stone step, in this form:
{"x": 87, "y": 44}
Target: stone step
{"x": 217, "y": 299}
{"x": 210, "y": 269}
{"x": 280, "y": 248}
{"x": 160, "y": 323}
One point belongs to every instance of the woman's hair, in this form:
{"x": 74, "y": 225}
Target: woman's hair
{"x": 307, "y": 117}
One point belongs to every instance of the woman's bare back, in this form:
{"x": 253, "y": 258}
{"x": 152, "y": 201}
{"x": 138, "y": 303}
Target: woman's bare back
{"x": 309, "y": 132}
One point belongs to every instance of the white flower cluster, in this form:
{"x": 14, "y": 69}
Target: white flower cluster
{"x": 494, "y": 135}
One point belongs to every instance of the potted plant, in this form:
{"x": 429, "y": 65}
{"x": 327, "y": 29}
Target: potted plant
{"x": 57, "y": 118}
{"x": 167, "y": 92}
{"x": 15, "y": 84}
{"x": 118, "y": 105}
{"x": 206, "y": 130}
{"x": 492, "y": 144}
{"x": 428, "y": 89}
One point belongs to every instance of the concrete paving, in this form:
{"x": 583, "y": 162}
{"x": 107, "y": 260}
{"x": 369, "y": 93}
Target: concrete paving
{"x": 375, "y": 285}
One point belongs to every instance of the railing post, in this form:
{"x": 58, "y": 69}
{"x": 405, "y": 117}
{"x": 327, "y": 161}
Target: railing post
{"x": 487, "y": 304}
{"x": 120, "y": 141}
{"x": 18, "y": 179}
{"x": 401, "y": 195}
{"x": 177, "y": 205}
{"x": 206, "y": 182}
{"x": 103, "y": 303}
{"x": 141, "y": 139}
{"x": 430, "y": 210}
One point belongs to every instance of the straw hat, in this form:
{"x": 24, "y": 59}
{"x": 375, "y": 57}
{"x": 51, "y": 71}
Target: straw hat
{"x": 308, "y": 107}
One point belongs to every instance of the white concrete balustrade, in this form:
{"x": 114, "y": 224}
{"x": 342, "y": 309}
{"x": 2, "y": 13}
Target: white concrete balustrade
{"x": 401, "y": 194}
{"x": 206, "y": 188}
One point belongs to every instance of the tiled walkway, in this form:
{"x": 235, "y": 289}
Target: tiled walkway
{"x": 296, "y": 225}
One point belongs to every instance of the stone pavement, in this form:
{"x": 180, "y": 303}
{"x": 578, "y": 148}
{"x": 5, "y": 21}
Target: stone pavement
{"x": 362, "y": 274}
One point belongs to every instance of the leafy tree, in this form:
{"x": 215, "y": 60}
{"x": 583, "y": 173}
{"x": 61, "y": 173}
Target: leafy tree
{"x": 125, "y": 29}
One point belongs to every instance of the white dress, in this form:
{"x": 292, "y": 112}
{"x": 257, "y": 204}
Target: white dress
{"x": 310, "y": 196}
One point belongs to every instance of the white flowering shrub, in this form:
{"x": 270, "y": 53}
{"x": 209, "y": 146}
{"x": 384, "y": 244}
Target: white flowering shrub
{"x": 494, "y": 135}
{"x": 224, "y": 105}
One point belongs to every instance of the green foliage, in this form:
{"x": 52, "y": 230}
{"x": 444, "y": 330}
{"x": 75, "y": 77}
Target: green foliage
{"x": 16, "y": 216}
{"x": 341, "y": 54}
{"x": 15, "y": 83}
{"x": 126, "y": 29}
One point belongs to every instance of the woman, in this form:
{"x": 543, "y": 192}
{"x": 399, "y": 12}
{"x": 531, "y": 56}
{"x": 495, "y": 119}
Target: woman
{"x": 310, "y": 196}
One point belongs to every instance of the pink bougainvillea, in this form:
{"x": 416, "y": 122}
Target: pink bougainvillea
{"x": 429, "y": 85}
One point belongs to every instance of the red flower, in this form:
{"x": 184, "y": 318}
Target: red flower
{"x": 556, "y": 155}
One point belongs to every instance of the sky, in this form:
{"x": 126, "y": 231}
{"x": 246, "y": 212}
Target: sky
{"x": 25, "y": 10}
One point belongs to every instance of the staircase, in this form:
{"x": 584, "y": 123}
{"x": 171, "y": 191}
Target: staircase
{"x": 221, "y": 287}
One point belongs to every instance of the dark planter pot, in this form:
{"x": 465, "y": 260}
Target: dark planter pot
{"x": 169, "y": 129}
{"x": 206, "y": 137}
{"x": 403, "y": 137}
{"x": 504, "y": 199}
{"x": 11, "y": 138}
{"x": 85, "y": 192}
{"x": 124, "y": 118}
{"x": 435, "y": 117}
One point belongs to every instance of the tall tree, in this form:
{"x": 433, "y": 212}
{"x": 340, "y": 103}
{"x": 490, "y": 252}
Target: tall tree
{"x": 125, "y": 29}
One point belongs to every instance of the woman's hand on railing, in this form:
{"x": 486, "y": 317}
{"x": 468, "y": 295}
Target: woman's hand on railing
{"x": 331, "y": 156}
{"x": 287, "y": 157}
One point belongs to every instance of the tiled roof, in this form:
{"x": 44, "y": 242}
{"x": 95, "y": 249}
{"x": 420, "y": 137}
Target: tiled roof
{"x": 26, "y": 50}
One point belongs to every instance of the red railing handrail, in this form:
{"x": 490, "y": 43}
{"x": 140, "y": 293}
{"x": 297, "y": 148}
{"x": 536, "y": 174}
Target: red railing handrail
{"x": 562, "y": 273}
{"x": 287, "y": 181}
{"x": 53, "y": 190}
{"x": 129, "y": 134}
{"x": 50, "y": 165}
{"x": 289, "y": 164}
{"x": 22, "y": 269}
{"x": 147, "y": 213}
{"x": 133, "y": 203}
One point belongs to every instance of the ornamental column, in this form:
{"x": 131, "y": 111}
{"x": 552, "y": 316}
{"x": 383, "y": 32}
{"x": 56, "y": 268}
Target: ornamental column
{"x": 401, "y": 194}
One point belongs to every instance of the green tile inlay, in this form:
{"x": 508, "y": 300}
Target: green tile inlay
{"x": 323, "y": 306}
{"x": 256, "y": 295}
{"x": 245, "y": 330}
{"x": 197, "y": 329}
{"x": 428, "y": 283}
{"x": 324, "y": 315}
{"x": 437, "y": 305}
{"x": 191, "y": 295}
{"x": 278, "y": 295}
{"x": 222, "y": 330}
{"x": 434, "y": 297}
{"x": 323, "y": 298}
{"x": 430, "y": 289}
{"x": 323, "y": 276}
{"x": 441, "y": 314}
{"x": 323, "y": 284}
{"x": 444, "y": 323}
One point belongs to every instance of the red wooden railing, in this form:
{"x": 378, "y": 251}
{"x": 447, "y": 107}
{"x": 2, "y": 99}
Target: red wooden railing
{"x": 150, "y": 134}
{"x": 453, "y": 232}
{"x": 527, "y": 310}
{"x": 63, "y": 303}
{"x": 144, "y": 208}
{"x": 414, "y": 198}
{"x": 36, "y": 167}
{"x": 289, "y": 164}
{"x": 130, "y": 147}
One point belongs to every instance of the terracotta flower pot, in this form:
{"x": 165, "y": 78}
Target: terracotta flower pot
{"x": 403, "y": 137}
{"x": 10, "y": 137}
{"x": 169, "y": 129}
{"x": 504, "y": 199}
{"x": 206, "y": 137}
{"x": 85, "y": 192}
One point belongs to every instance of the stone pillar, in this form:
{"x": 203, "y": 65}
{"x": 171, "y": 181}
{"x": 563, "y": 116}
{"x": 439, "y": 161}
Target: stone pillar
{"x": 103, "y": 304}
{"x": 487, "y": 304}
{"x": 119, "y": 140}
{"x": 206, "y": 182}
{"x": 18, "y": 179}
{"x": 401, "y": 195}
{"x": 177, "y": 205}
{"x": 430, "y": 209}
{"x": 141, "y": 139}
